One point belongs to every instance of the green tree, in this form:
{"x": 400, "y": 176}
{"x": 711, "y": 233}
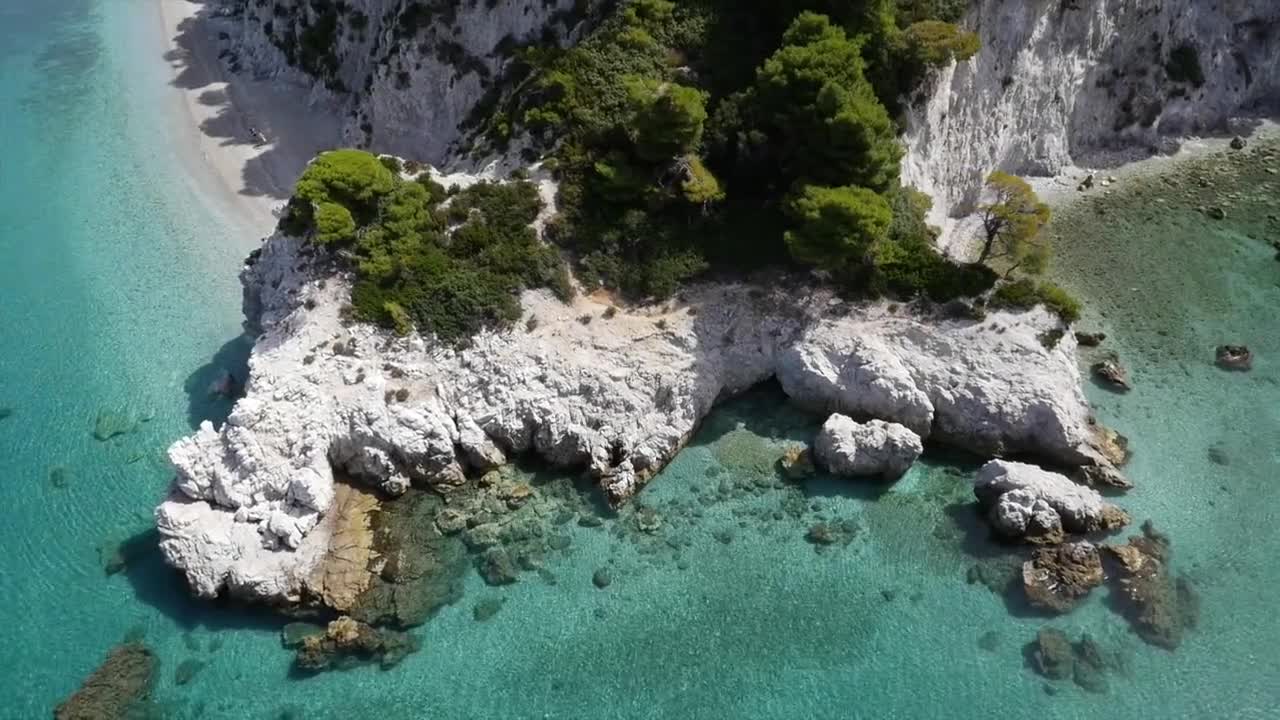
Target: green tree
{"x": 1011, "y": 225}
{"x": 836, "y": 227}
{"x": 352, "y": 178}
{"x": 334, "y": 224}
{"x": 699, "y": 186}
{"x": 933, "y": 43}
{"x": 815, "y": 103}
{"x": 667, "y": 118}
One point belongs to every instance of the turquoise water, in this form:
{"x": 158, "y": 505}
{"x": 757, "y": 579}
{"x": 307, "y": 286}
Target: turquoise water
{"x": 117, "y": 289}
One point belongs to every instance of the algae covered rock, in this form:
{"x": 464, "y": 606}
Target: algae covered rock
{"x": 116, "y": 689}
{"x": 1057, "y": 578}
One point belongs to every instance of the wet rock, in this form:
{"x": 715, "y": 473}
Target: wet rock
{"x": 824, "y": 534}
{"x": 1216, "y": 213}
{"x": 293, "y": 634}
{"x": 1090, "y": 666}
{"x": 559, "y": 542}
{"x": 1234, "y": 357}
{"x": 796, "y": 463}
{"x": 187, "y": 671}
{"x": 347, "y": 643}
{"x": 450, "y": 521}
{"x": 996, "y": 574}
{"x": 1218, "y": 456}
{"x": 1238, "y": 143}
{"x": 1159, "y": 607}
{"x": 1058, "y": 578}
{"x": 1113, "y": 446}
{"x": 116, "y": 689}
{"x": 1112, "y": 374}
{"x": 483, "y": 536}
{"x": 517, "y": 494}
{"x": 486, "y": 609}
{"x": 876, "y": 448}
{"x": 602, "y": 578}
{"x": 60, "y": 476}
{"x": 498, "y": 568}
{"x": 1088, "y": 339}
{"x": 1103, "y": 476}
{"x": 1052, "y": 655}
{"x": 590, "y": 521}
{"x": 724, "y": 536}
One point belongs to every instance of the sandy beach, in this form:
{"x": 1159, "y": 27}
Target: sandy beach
{"x": 221, "y": 110}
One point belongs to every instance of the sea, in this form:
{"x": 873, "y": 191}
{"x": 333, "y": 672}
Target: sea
{"x": 120, "y": 304}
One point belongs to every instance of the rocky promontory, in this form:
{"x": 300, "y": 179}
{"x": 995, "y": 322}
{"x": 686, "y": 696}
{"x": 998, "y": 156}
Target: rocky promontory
{"x": 581, "y": 386}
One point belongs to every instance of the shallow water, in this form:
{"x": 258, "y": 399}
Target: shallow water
{"x": 118, "y": 288}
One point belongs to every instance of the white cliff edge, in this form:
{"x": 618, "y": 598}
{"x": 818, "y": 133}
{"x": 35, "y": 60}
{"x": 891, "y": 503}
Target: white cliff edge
{"x": 1058, "y": 84}
{"x": 619, "y": 396}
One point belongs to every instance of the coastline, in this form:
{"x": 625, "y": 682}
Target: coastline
{"x": 213, "y": 136}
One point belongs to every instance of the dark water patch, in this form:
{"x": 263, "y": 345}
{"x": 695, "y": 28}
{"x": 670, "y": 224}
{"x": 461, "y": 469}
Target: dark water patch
{"x": 213, "y": 388}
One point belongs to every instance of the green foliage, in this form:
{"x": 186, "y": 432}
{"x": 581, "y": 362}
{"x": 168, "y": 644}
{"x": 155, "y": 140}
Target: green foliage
{"x": 1025, "y": 294}
{"x": 700, "y": 186}
{"x": 1011, "y": 225}
{"x": 934, "y": 43}
{"x": 667, "y": 118}
{"x": 410, "y": 272}
{"x": 836, "y": 227}
{"x": 1184, "y": 65}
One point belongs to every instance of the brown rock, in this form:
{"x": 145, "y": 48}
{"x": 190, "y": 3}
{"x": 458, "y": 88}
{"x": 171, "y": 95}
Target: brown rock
{"x": 1058, "y": 578}
{"x": 1234, "y": 357}
{"x": 1051, "y": 654}
{"x": 1113, "y": 446}
{"x": 1158, "y": 607}
{"x": 1112, "y": 374}
{"x": 796, "y": 463}
{"x": 114, "y": 690}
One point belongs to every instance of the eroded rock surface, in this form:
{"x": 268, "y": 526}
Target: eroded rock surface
{"x": 1159, "y": 606}
{"x": 1026, "y": 502}
{"x": 875, "y": 448}
{"x": 251, "y": 509}
{"x": 115, "y": 689}
{"x": 1058, "y": 578}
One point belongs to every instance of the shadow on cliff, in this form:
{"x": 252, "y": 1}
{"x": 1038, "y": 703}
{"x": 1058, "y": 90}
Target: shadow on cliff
{"x": 156, "y": 584}
{"x": 213, "y": 388}
{"x": 241, "y": 104}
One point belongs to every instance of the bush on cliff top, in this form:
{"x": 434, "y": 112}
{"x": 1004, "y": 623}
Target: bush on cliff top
{"x": 1025, "y": 294}
{"x": 413, "y": 267}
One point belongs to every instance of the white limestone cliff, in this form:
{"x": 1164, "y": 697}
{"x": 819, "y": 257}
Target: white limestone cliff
{"x": 619, "y": 395}
{"x": 404, "y": 75}
{"x": 1059, "y": 83}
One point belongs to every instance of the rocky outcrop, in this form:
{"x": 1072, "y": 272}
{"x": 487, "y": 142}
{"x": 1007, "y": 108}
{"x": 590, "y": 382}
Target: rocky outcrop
{"x": 116, "y": 689}
{"x": 346, "y": 643}
{"x": 1026, "y": 502}
{"x": 251, "y": 506}
{"x": 875, "y": 448}
{"x": 1057, "y": 578}
{"x": 402, "y": 76}
{"x": 1159, "y": 606}
{"x": 1234, "y": 357}
{"x": 1059, "y": 83}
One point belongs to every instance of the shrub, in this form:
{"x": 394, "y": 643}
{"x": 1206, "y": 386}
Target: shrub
{"x": 1025, "y": 294}
{"x": 1184, "y": 65}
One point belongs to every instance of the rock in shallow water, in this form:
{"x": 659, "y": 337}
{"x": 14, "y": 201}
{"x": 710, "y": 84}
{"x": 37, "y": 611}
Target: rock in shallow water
{"x": 871, "y": 449}
{"x": 1058, "y": 578}
{"x": 114, "y": 690}
{"x": 1029, "y": 503}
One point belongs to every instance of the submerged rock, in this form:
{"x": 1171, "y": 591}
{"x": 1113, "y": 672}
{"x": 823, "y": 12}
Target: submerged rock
{"x": 1088, "y": 339}
{"x": 1159, "y": 607}
{"x": 1058, "y": 578}
{"x": 797, "y": 462}
{"x": 187, "y": 671}
{"x": 1026, "y": 502}
{"x": 1234, "y": 357}
{"x": 110, "y": 424}
{"x": 116, "y": 689}
{"x": 875, "y": 448}
{"x": 602, "y": 578}
{"x": 5, "y": 412}
{"x": 347, "y": 643}
{"x": 487, "y": 608}
{"x": 293, "y": 634}
{"x": 1052, "y": 655}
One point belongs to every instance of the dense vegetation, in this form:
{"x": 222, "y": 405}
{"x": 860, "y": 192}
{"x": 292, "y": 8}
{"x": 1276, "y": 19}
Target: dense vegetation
{"x": 710, "y": 133}
{"x": 422, "y": 259}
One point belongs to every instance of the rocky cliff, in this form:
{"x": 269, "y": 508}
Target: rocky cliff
{"x": 404, "y": 74}
{"x": 1087, "y": 82}
{"x": 582, "y": 386}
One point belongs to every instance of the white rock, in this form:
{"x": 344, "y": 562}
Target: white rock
{"x": 878, "y": 448}
{"x": 1017, "y": 492}
{"x": 619, "y": 397}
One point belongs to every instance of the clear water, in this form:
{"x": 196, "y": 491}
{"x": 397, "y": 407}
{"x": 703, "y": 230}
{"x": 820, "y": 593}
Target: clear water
{"x": 117, "y": 289}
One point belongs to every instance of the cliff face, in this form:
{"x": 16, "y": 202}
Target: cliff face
{"x": 404, "y": 74}
{"x": 1063, "y": 82}
{"x": 617, "y": 393}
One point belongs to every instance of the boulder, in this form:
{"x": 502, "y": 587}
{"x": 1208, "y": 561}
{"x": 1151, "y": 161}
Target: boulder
{"x": 1090, "y": 339}
{"x": 876, "y": 448}
{"x": 1112, "y": 374}
{"x": 1159, "y": 606}
{"x": 1238, "y": 143}
{"x": 1234, "y": 357}
{"x": 1057, "y": 578}
{"x": 347, "y": 643}
{"x": 1026, "y": 502}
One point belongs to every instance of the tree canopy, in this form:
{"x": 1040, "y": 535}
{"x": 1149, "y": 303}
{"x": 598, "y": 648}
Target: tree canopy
{"x": 1011, "y": 224}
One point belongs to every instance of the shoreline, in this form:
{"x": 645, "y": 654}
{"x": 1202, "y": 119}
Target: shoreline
{"x": 218, "y": 111}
